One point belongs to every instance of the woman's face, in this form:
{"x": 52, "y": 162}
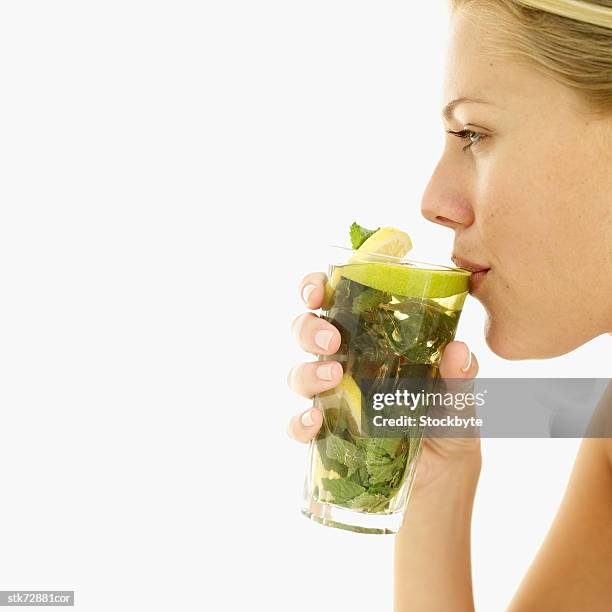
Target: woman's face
{"x": 531, "y": 199}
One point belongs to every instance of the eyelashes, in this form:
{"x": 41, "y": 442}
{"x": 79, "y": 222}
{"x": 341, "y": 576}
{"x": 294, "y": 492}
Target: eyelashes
{"x": 468, "y": 135}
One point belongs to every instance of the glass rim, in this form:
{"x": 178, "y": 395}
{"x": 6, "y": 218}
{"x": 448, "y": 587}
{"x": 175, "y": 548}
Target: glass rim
{"x": 401, "y": 260}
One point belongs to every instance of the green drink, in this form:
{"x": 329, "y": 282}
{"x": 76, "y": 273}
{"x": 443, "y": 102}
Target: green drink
{"x": 395, "y": 317}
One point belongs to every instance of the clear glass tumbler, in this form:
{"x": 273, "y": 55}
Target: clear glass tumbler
{"x": 395, "y": 317}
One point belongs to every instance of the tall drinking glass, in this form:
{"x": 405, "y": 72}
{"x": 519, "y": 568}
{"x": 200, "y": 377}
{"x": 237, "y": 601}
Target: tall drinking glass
{"x": 395, "y": 317}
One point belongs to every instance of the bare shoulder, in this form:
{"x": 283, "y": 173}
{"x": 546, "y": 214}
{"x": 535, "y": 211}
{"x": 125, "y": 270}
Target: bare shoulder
{"x": 573, "y": 566}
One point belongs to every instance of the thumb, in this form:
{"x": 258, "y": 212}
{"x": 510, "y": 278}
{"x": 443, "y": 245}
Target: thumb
{"x": 458, "y": 370}
{"x": 458, "y": 361}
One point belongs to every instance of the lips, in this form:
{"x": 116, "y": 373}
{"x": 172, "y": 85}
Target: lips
{"x": 478, "y": 271}
{"x": 466, "y": 264}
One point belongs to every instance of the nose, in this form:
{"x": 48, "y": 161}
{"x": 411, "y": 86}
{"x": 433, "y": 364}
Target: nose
{"x": 446, "y": 200}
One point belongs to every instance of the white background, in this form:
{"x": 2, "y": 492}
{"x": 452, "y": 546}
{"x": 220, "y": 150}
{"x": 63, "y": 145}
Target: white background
{"x": 169, "y": 172}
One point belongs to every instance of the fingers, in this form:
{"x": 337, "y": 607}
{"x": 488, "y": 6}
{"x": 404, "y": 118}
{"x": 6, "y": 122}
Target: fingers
{"x": 312, "y": 289}
{"x": 315, "y": 335}
{"x": 458, "y": 361}
{"x": 308, "y": 379}
{"x": 304, "y": 426}
{"x": 458, "y": 370}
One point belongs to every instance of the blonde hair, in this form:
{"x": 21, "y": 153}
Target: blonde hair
{"x": 575, "y": 9}
{"x": 568, "y": 47}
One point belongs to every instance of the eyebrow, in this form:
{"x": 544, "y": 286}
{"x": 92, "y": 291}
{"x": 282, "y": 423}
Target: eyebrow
{"x": 447, "y": 111}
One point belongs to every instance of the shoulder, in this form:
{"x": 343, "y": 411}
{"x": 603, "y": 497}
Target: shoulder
{"x": 573, "y": 566}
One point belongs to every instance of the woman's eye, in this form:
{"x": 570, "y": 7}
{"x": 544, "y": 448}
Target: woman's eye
{"x": 470, "y": 135}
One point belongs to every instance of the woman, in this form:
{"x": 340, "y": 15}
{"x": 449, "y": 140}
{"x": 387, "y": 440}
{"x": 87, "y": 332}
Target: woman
{"x": 525, "y": 183}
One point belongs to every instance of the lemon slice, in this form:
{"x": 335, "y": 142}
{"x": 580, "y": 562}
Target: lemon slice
{"x": 345, "y": 396}
{"x": 403, "y": 280}
{"x": 387, "y": 241}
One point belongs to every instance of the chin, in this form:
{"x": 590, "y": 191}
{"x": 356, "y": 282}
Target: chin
{"x": 512, "y": 345}
{"x": 508, "y": 348}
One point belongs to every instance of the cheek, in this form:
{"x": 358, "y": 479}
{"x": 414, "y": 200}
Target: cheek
{"x": 513, "y": 221}
{"x": 531, "y": 216}
{"x": 540, "y": 225}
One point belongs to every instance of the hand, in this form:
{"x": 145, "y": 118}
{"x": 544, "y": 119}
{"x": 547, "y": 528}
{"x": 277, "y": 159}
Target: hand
{"x": 319, "y": 337}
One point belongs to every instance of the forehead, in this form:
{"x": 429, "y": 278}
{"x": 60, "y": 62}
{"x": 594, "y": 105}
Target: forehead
{"x": 479, "y": 65}
{"x": 467, "y": 61}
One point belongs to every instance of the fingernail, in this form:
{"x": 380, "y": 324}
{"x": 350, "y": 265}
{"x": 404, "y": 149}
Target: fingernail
{"x": 323, "y": 338}
{"x": 306, "y": 419}
{"x": 468, "y": 363}
{"x": 306, "y": 291}
{"x": 324, "y": 372}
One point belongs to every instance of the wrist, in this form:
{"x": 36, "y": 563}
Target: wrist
{"x": 440, "y": 476}
{"x": 436, "y": 534}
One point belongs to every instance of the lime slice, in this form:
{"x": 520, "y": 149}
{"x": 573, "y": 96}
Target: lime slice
{"x": 345, "y": 395}
{"x": 387, "y": 241}
{"x": 403, "y": 280}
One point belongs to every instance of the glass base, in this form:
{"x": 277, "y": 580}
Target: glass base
{"x": 352, "y": 520}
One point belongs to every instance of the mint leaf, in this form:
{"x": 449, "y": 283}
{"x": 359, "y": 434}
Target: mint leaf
{"x": 345, "y": 452}
{"x": 396, "y": 446}
{"x": 342, "y": 489}
{"x": 418, "y": 330}
{"x": 387, "y": 472}
{"x": 367, "y": 501}
{"x": 368, "y": 300}
{"x": 374, "y": 458}
{"x": 380, "y": 489}
{"x": 361, "y": 476}
{"x": 328, "y": 462}
{"x": 382, "y": 446}
{"x": 360, "y": 234}
{"x": 336, "y": 420}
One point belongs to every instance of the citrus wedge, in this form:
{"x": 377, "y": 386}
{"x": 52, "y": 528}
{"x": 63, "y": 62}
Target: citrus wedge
{"x": 345, "y": 396}
{"x": 387, "y": 241}
{"x": 403, "y": 280}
